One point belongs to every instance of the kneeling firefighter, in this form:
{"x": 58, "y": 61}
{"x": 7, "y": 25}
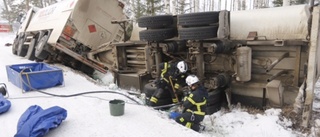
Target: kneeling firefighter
{"x": 171, "y": 80}
{"x": 194, "y": 105}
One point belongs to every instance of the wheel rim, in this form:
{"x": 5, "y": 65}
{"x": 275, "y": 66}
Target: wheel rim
{"x": 20, "y": 44}
{"x": 40, "y": 45}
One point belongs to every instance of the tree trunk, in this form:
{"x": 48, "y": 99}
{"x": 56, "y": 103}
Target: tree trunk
{"x": 27, "y": 5}
{"x": 225, "y": 4}
{"x": 173, "y": 7}
{"x": 167, "y": 6}
{"x": 6, "y": 5}
{"x": 7, "y": 9}
{"x": 212, "y": 6}
{"x": 196, "y": 6}
{"x": 243, "y": 5}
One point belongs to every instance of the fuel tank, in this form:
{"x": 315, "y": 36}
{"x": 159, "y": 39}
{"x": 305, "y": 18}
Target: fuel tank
{"x": 289, "y": 22}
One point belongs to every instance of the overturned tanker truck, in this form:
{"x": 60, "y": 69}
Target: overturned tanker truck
{"x": 261, "y": 58}
{"x": 68, "y": 31}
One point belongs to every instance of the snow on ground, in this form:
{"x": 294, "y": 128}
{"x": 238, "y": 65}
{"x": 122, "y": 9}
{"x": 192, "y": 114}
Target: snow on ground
{"x": 89, "y": 115}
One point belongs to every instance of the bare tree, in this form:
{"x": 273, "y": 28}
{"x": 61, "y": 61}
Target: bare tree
{"x": 243, "y": 5}
{"x": 174, "y": 5}
{"x": 167, "y": 6}
{"x": 239, "y": 5}
{"x": 212, "y": 5}
{"x": 196, "y": 5}
{"x": 182, "y": 6}
{"x": 6, "y": 5}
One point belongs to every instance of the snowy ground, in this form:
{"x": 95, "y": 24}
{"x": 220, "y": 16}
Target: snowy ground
{"x": 89, "y": 116}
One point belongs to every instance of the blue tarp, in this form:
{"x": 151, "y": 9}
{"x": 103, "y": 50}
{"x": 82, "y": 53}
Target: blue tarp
{"x": 4, "y": 104}
{"x": 174, "y": 115}
{"x": 36, "y": 75}
{"x": 36, "y": 122}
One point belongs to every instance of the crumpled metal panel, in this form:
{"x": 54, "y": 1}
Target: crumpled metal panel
{"x": 290, "y": 22}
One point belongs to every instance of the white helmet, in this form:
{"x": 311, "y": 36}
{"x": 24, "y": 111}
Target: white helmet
{"x": 182, "y": 66}
{"x": 192, "y": 79}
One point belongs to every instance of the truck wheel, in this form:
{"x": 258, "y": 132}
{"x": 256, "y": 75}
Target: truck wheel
{"x": 31, "y": 55}
{"x": 198, "y": 19}
{"x": 14, "y": 46}
{"x": 213, "y": 108}
{"x": 22, "y": 49}
{"x": 40, "y": 52}
{"x": 86, "y": 69}
{"x": 214, "y": 97}
{"x": 198, "y": 33}
{"x": 159, "y": 21}
{"x": 156, "y": 34}
{"x": 149, "y": 89}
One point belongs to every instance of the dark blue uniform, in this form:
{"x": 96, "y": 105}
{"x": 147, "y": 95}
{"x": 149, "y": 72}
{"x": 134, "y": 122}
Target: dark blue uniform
{"x": 170, "y": 78}
{"x": 194, "y": 108}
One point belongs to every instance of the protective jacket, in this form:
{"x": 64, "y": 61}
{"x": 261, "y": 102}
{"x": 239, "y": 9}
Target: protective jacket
{"x": 170, "y": 81}
{"x": 194, "y": 109}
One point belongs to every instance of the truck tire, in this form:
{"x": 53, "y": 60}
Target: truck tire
{"x": 86, "y": 69}
{"x": 213, "y": 108}
{"x": 22, "y": 49}
{"x": 149, "y": 89}
{"x": 31, "y": 50}
{"x": 159, "y": 21}
{"x": 157, "y": 34}
{"x": 40, "y": 51}
{"x": 198, "y": 33}
{"x": 198, "y": 19}
{"x": 15, "y": 45}
{"x": 214, "y": 97}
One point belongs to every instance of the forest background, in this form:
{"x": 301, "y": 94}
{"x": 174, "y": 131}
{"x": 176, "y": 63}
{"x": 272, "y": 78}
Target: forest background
{"x": 10, "y": 9}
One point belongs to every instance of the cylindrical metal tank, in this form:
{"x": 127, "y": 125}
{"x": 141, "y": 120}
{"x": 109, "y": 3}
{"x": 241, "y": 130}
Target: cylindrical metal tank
{"x": 243, "y": 64}
{"x": 289, "y": 22}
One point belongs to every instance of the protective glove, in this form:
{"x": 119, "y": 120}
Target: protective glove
{"x": 186, "y": 91}
{"x": 160, "y": 83}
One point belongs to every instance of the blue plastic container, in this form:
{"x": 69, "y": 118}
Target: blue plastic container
{"x": 34, "y": 76}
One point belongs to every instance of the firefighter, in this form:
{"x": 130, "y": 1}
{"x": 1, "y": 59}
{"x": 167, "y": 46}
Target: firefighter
{"x": 172, "y": 79}
{"x": 194, "y": 105}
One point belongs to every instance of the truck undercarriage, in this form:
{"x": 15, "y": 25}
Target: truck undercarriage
{"x": 259, "y": 58}
{"x": 257, "y": 70}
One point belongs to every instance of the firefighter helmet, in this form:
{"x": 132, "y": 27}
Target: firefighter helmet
{"x": 182, "y": 66}
{"x": 192, "y": 79}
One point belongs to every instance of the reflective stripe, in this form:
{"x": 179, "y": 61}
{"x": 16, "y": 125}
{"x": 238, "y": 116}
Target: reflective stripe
{"x": 153, "y": 99}
{"x": 174, "y": 100}
{"x": 176, "y": 85}
{"x": 181, "y": 119}
{"x": 188, "y": 125}
{"x": 196, "y": 112}
{"x": 164, "y": 70}
{"x": 185, "y": 98}
{"x": 198, "y": 105}
{"x": 191, "y": 95}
